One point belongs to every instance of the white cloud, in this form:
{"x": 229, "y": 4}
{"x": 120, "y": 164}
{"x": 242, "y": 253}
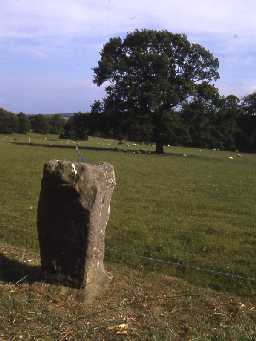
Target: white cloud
{"x": 239, "y": 88}
{"x": 53, "y": 18}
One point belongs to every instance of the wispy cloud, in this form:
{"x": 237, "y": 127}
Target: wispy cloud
{"x": 34, "y": 18}
{"x": 47, "y": 95}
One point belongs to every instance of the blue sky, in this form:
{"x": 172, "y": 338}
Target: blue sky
{"x": 48, "y": 48}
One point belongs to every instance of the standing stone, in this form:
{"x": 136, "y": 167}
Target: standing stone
{"x": 73, "y": 211}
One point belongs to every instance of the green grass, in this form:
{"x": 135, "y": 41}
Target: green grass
{"x": 197, "y": 210}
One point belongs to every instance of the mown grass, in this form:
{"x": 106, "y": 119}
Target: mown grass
{"x": 193, "y": 207}
{"x": 197, "y": 209}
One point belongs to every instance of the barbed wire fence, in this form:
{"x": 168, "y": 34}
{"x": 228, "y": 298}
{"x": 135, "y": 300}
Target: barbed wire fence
{"x": 180, "y": 265}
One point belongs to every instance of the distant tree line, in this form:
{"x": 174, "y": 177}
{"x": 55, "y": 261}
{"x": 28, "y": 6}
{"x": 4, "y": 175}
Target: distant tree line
{"x": 23, "y": 124}
{"x": 206, "y": 120}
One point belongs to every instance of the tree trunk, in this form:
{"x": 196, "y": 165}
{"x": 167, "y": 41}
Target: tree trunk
{"x": 159, "y": 148}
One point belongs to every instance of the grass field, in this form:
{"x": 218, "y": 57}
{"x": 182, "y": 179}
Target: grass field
{"x": 193, "y": 209}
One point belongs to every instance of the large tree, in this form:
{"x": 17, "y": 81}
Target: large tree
{"x": 149, "y": 74}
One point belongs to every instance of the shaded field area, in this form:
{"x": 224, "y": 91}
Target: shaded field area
{"x": 190, "y": 214}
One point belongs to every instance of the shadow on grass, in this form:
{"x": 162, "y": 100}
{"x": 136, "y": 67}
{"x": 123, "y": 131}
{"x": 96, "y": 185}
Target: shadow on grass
{"x": 16, "y": 272}
{"x": 113, "y": 149}
{"x": 106, "y": 149}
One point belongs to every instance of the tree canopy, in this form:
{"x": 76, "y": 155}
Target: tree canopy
{"x": 149, "y": 74}
{"x": 8, "y": 122}
{"x": 247, "y": 122}
{"x": 23, "y": 123}
{"x": 76, "y": 127}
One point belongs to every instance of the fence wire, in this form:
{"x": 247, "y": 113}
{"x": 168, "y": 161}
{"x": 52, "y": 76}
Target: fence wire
{"x": 183, "y": 266}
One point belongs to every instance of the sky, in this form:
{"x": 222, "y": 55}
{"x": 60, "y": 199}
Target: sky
{"x": 48, "y": 48}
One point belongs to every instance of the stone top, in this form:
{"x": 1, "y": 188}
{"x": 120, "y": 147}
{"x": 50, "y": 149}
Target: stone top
{"x": 75, "y": 172}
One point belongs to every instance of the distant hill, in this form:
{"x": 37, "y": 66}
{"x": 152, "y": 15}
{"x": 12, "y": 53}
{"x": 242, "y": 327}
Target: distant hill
{"x": 66, "y": 115}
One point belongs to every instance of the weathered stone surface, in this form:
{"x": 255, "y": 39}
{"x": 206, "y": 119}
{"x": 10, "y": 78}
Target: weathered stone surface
{"x": 73, "y": 212}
